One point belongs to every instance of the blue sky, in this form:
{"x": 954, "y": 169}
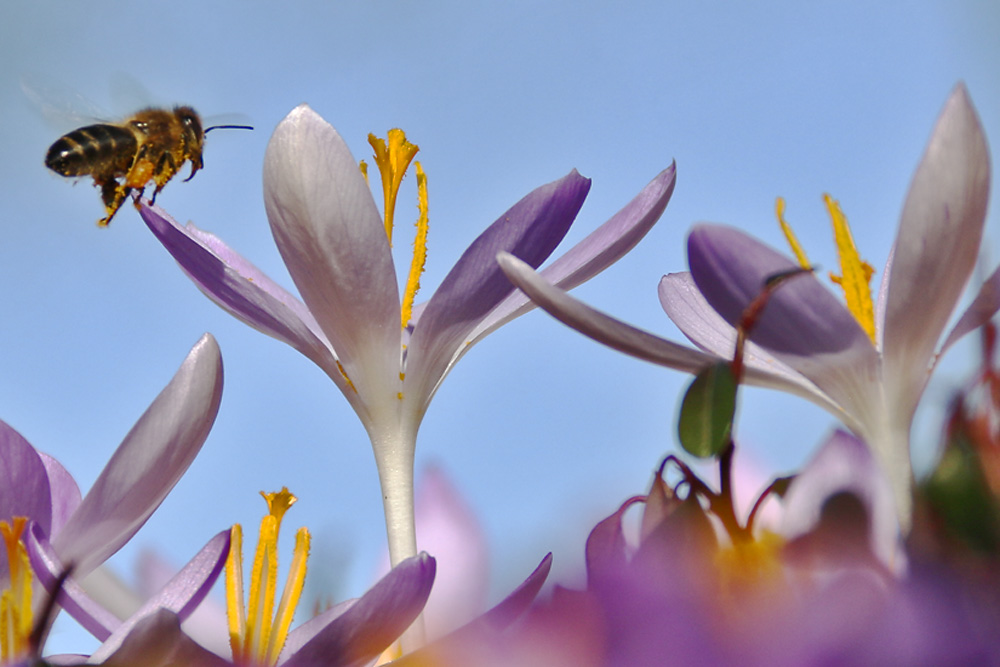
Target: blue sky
{"x": 542, "y": 430}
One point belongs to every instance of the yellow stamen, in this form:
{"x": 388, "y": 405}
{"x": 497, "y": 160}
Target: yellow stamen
{"x": 855, "y": 273}
{"x": 15, "y": 602}
{"x": 364, "y": 170}
{"x": 350, "y": 384}
{"x": 419, "y": 249}
{"x": 749, "y": 562}
{"x": 393, "y": 157}
{"x": 258, "y": 633}
{"x": 800, "y": 254}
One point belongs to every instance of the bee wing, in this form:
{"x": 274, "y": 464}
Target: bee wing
{"x": 62, "y": 108}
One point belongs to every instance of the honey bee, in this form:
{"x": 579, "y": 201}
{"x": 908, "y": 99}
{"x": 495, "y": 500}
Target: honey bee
{"x": 151, "y": 145}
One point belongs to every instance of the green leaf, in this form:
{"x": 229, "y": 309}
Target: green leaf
{"x": 707, "y": 411}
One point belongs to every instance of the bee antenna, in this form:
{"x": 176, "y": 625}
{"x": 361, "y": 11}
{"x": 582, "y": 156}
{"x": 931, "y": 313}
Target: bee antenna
{"x": 228, "y": 127}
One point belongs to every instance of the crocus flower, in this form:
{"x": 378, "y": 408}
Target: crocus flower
{"x": 86, "y": 531}
{"x": 387, "y": 356}
{"x": 867, "y": 370}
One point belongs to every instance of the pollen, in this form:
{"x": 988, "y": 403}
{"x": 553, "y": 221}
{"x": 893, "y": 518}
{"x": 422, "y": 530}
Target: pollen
{"x": 257, "y": 632}
{"x": 393, "y": 156}
{"x": 855, "y": 273}
{"x": 15, "y": 602}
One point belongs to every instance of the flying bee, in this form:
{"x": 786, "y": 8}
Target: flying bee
{"x": 151, "y": 145}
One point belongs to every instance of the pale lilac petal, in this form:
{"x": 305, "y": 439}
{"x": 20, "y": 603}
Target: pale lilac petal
{"x": 181, "y": 595}
{"x": 157, "y": 641}
{"x": 150, "y": 460}
{"x": 803, "y": 324}
{"x": 242, "y": 290}
{"x": 936, "y": 247}
{"x": 47, "y": 566}
{"x": 844, "y": 463}
{"x": 702, "y": 325}
{"x": 333, "y": 242}
{"x": 371, "y": 624}
{"x": 65, "y": 492}
{"x": 448, "y": 528}
{"x": 24, "y": 484}
{"x": 980, "y": 311}
{"x": 531, "y": 230}
{"x": 599, "y": 250}
{"x": 623, "y": 337}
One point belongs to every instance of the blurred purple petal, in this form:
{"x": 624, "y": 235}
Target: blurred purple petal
{"x": 937, "y": 245}
{"x": 24, "y": 483}
{"x": 530, "y": 230}
{"x": 46, "y": 565}
{"x": 150, "y": 460}
{"x": 181, "y": 595}
{"x": 844, "y": 463}
{"x": 371, "y": 624}
{"x": 65, "y": 492}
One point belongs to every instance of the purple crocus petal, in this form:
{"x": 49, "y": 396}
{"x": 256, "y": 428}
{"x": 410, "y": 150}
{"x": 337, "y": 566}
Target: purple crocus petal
{"x": 65, "y": 492}
{"x": 531, "y": 230}
{"x": 361, "y": 633}
{"x": 685, "y": 305}
{"x": 157, "y": 641}
{"x": 621, "y": 336}
{"x": 844, "y": 463}
{"x": 979, "y": 312}
{"x": 181, "y": 595}
{"x": 495, "y": 620}
{"x": 940, "y": 230}
{"x": 47, "y": 566}
{"x": 606, "y": 550}
{"x": 243, "y": 290}
{"x": 803, "y": 324}
{"x": 24, "y": 483}
{"x": 599, "y": 250}
{"x": 302, "y": 633}
{"x": 148, "y": 463}
{"x": 333, "y": 241}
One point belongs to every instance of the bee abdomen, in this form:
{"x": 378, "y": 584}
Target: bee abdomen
{"x": 106, "y": 148}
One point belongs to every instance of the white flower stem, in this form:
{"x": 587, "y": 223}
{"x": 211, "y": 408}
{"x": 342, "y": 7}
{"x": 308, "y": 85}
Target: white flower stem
{"x": 394, "y": 458}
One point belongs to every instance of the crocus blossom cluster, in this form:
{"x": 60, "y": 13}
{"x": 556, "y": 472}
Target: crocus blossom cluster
{"x": 807, "y": 342}
{"x": 387, "y": 359}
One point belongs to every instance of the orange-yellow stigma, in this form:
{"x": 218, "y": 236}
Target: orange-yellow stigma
{"x": 393, "y": 157}
{"x": 855, "y": 273}
{"x": 15, "y": 601}
{"x": 257, "y": 632}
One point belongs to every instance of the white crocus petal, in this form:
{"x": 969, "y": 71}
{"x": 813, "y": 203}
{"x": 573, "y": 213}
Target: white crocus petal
{"x": 936, "y": 247}
{"x": 150, "y": 460}
{"x": 331, "y": 238}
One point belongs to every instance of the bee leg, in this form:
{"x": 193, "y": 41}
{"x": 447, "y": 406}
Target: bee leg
{"x": 113, "y": 194}
{"x": 165, "y": 170}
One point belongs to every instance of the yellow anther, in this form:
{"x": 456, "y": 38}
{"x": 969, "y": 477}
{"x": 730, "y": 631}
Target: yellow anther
{"x": 278, "y": 502}
{"x": 393, "y": 157}
{"x": 419, "y": 249}
{"x": 16, "y": 619}
{"x": 855, "y": 274}
{"x": 257, "y": 632}
{"x": 800, "y": 254}
{"x": 363, "y": 166}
